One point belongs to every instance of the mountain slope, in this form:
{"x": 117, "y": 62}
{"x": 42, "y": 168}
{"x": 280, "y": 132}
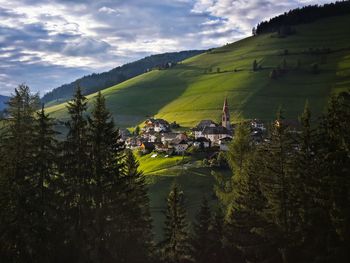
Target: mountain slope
{"x": 188, "y": 93}
{"x": 95, "y": 82}
{"x": 3, "y": 100}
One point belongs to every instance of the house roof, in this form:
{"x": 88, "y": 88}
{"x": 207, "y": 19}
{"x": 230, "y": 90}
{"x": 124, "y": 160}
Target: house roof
{"x": 215, "y": 130}
{"x": 170, "y": 135}
{"x": 178, "y": 141}
{"x": 157, "y": 121}
{"x": 205, "y": 123}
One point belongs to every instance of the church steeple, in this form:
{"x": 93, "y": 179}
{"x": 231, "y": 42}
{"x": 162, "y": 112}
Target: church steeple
{"x": 225, "y": 119}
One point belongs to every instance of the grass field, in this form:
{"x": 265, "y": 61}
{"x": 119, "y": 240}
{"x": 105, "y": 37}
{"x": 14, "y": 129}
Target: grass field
{"x": 187, "y": 93}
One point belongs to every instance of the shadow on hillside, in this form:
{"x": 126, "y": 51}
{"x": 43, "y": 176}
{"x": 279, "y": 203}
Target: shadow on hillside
{"x": 141, "y": 100}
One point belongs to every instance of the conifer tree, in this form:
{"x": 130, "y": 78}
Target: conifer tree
{"x": 245, "y": 226}
{"x": 176, "y": 245}
{"x": 46, "y": 224}
{"x": 216, "y": 237}
{"x": 77, "y": 177}
{"x": 239, "y": 149}
{"x": 277, "y": 182}
{"x": 333, "y": 143}
{"x": 201, "y": 236}
{"x": 17, "y": 194}
{"x": 138, "y": 227}
{"x": 122, "y": 228}
{"x": 305, "y": 183}
{"x": 106, "y": 187}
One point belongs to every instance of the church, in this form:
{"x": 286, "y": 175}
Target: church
{"x": 213, "y": 131}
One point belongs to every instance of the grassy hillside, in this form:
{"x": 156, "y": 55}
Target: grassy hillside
{"x": 95, "y": 82}
{"x": 188, "y": 93}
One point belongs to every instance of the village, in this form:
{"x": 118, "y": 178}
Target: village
{"x": 158, "y": 136}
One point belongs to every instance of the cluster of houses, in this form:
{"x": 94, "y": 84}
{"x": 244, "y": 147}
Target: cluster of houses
{"x": 157, "y": 135}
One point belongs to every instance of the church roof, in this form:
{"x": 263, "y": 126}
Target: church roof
{"x": 205, "y": 123}
{"x": 215, "y": 130}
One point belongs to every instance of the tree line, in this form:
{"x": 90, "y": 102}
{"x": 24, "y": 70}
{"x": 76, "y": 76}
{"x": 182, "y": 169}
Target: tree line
{"x": 302, "y": 15}
{"x": 83, "y": 199}
{"x": 77, "y": 200}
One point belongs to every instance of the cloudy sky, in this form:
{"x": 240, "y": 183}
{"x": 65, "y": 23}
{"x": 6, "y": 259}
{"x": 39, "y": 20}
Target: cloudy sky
{"x": 45, "y": 43}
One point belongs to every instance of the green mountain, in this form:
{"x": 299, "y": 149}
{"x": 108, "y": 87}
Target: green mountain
{"x": 309, "y": 64}
{"x": 95, "y": 82}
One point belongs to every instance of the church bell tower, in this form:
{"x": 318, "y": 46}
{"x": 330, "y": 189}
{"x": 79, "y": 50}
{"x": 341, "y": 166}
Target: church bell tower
{"x": 225, "y": 120}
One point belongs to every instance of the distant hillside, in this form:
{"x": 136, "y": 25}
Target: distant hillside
{"x": 308, "y": 65}
{"x": 96, "y": 82}
{"x": 3, "y": 100}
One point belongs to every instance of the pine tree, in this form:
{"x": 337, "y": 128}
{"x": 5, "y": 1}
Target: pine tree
{"x": 106, "y": 185}
{"x": 122, "y": 228}
{"x": 245, "y": 227}
{"x": 77, "y": 177}
{"x": 201, "y": 236}
{"x": 216, "y": 237}
{"x": 239, "y": 149}
{"x": 138, "y": 227}
{"x": 277, "y": 182}
{"x": 17, "y": 194}
{"x": 333, "y": 143}
{"x": 176, "y": 245}
{"x": 46, "y": 224}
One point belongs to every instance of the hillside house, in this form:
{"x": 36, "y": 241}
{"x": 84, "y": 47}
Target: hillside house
{"x": 180, "y": 146}
{"x": 202, "y": 142}
{"x": 132, "y": 143}
{"x": 257, "y": 124}
{"x": 124, "y": 134}
{"x": 150, "y": 136}
{"x": 168, "y": 138}
{"x": 157, "y": 125}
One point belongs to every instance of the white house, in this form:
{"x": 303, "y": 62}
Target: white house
{"x": 257, "y": 124}
{"x": 214, "y": 134}
{"x": 201, "y": 142}
{"x": 180, "y": 147}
